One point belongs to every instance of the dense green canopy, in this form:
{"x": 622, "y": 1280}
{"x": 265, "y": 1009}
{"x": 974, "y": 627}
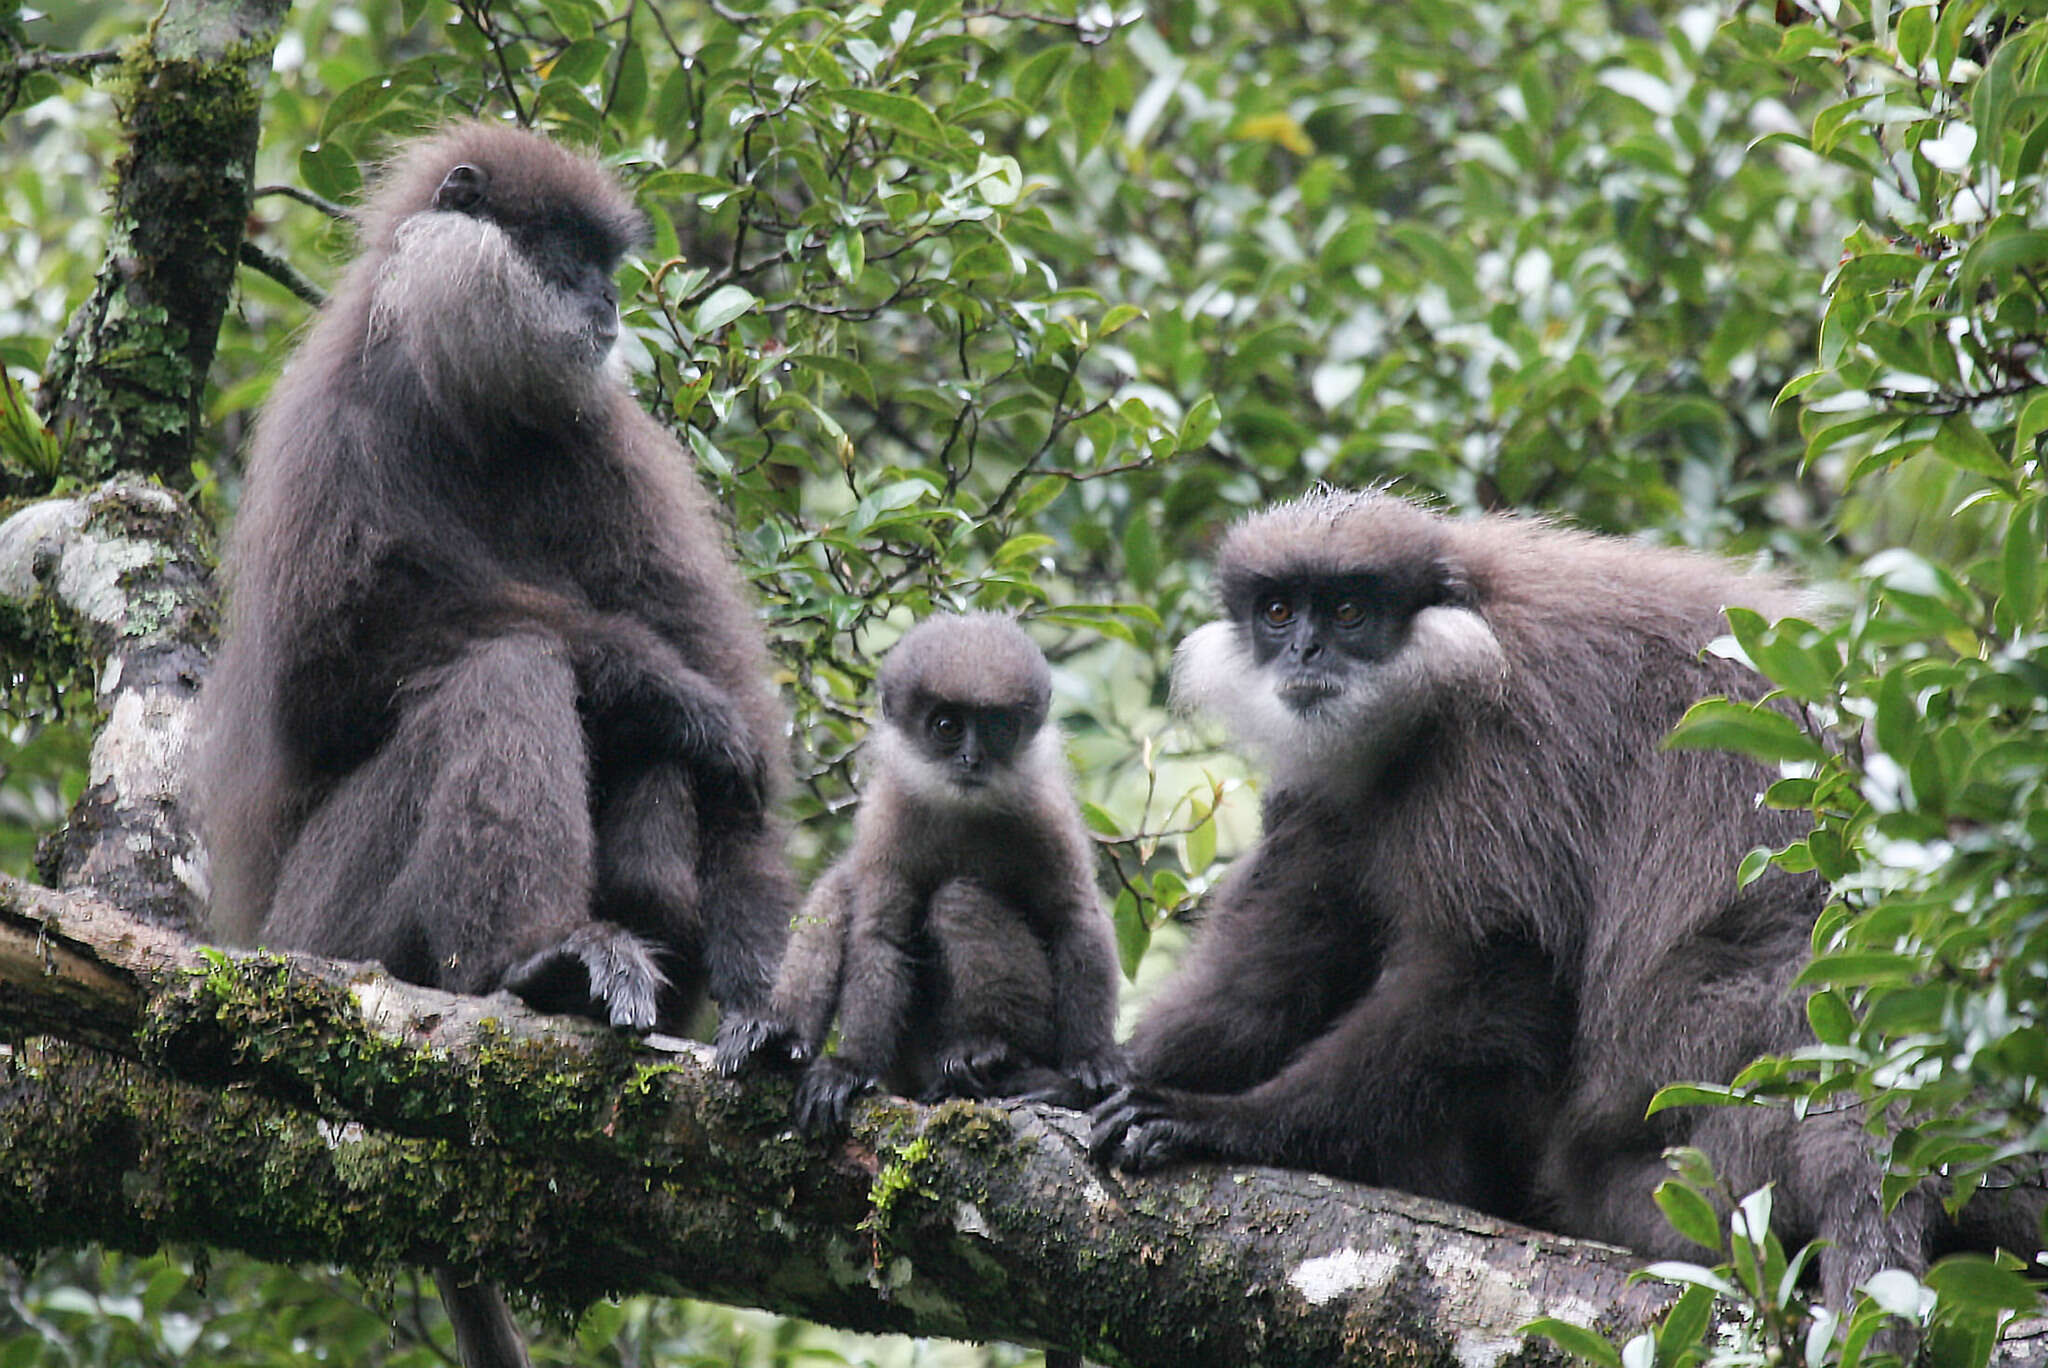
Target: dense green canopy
{"x": 966, "y": 303}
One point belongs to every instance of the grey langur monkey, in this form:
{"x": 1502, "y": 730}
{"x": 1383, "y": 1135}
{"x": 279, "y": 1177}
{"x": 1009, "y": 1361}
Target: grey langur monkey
{"x": 1489, "y": 915}
{"x": 960, "y": 942}
{"x": 493, "y": 708}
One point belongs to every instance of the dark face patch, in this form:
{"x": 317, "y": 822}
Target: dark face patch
{"x": 1314, "y": 628}
{"x": 970, "y": 742}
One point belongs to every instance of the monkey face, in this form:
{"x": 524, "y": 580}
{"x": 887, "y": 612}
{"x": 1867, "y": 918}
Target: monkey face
{"x": 499, "y": 292}
{"x": 1310, "y": 634}
{"x": 1324, "y": 673}
{"x": 971, "y": 745}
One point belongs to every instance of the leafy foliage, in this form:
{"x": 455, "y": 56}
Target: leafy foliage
{"x": 962, "y": 304}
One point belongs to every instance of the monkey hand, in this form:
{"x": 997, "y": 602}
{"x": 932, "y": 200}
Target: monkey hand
{"x": 600, "y": 970}
{"x": 697, "y": 722}
{"x": 825, "y": 1094}
{"x": 1141, "y": 1129}
{"x": 974, "y": 1070}
{"x": 1099, "y": 1072}
{"x": 744, "y": 1040}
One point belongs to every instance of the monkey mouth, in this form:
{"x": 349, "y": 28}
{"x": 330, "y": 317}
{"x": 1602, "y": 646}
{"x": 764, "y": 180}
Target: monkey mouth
{"x": 1305, "y": 693}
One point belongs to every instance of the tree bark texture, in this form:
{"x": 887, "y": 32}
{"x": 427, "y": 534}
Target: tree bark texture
{"x": 302, "y": 1110}
{"x": 121, "y": 576}
{"x": 122, "y": 386}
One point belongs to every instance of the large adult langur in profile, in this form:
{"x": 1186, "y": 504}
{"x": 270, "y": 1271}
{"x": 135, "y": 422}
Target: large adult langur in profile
{"x": 493, "y": 708}
{"x": 1489, "y": 916}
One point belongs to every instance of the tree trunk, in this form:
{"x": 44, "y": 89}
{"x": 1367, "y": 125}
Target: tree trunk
{"x": 122, "y": 386}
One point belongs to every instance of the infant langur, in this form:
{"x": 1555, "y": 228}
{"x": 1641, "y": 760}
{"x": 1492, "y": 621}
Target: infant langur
{"x": 961, "y": 942}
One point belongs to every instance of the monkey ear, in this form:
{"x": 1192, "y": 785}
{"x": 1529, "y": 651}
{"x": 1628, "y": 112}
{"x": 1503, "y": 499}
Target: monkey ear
{"x": 462, "y": 189}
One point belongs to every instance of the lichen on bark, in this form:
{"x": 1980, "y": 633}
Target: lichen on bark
{"x": 122, "y": 386}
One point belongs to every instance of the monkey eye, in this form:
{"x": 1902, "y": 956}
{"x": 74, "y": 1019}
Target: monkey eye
{"x": 1276, "y": 612}
{"x": 462, "y": 189}
{"x": 945, "y": 725}
{"x": 1348, "y": 613}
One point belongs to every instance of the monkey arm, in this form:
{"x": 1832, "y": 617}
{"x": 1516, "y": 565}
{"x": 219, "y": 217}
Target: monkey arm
{"x": 807, "y": 988}
{"x": 1430, "y": 1082}
{"x": 1278, "y": 960}
{"x": 1084, "y": 981}
{"x": 877, "y": 987}
{"x": 641, "y": 698}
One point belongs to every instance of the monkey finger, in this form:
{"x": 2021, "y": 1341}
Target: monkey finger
{"x": 1154, "y": 1144}
{"x": 744, "y": 1040}
{"x": 1107, "y": 1123}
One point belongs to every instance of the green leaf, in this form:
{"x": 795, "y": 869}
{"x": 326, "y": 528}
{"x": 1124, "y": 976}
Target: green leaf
{"x": 1685, "y": 1325}
{"x": 1898, "y": 722}
{"x": 1748, "y": 728}
{"x": 724, "y": 304}
{"x": 2000, "y": 257}
{"x": 1829, "y": 1016}
{"x": 1688, "y": 1213}
{"x": 1088, "y": 106}
{"x": 2032, "y": 422}
{"x": 1036, "y": 76}
{"x": 899, "y": 112}
{"x": 1133, "y": 937}
{"x": 1692, "y": 1275}
{"x": 1697, "y": 1095}
{"x": 2020, "y": 564}
{"x": 1961, "y": 443}
{"x": 1124, "y": 313}
{"x": 847, "y": 254}
{"x": 1141, "y": 549}
{"x": 1856, "y": 968}
{"x": 1575, "y": 1340}
{"x": 580, "y": 62}
{"x": 1100, "y": 820}
{"x": 1753, "y": 866}
{"x": 329, "y": 170}
{"x": 1200, "y": 424}
{"x": 1978, "y": 1283}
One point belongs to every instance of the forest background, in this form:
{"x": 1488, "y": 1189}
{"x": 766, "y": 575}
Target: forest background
{"x": 1012, "y": 303}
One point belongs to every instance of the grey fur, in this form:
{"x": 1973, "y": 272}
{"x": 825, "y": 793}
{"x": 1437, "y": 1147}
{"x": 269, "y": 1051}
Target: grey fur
{"x": 960, "y": 942}
{"x": 1489, "y": 915}
{"x": 493, "y": 707}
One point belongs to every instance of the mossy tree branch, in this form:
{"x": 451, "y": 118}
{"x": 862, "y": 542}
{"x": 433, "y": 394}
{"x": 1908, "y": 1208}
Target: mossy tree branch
{"x": 299, "y": 1109}
{"x": 123, "y": 385}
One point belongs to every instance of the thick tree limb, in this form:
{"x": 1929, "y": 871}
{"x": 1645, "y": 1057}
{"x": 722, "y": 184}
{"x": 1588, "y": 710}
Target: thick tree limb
{"x": 122, "y": 570}
{"x": 369, "y": 1123}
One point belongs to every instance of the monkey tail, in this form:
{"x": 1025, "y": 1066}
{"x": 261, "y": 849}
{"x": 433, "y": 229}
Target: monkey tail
{"x": 485, "y": 1334}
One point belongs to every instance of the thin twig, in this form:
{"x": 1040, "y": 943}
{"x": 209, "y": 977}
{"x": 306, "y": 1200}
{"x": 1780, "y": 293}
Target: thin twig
{"x": 65, "y": 63}
{"x": 283, "y": 272}
{"x": 307, "y": 197}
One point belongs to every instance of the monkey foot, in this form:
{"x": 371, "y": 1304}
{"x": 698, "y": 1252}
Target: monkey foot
{"x": 1099, "y": 1074}
{"x": 973, "y": 1072}
{"x": 600, "y": 970}
{"x": 825, "y": 1094}
{"x": 743, "y": 1040}
{"x": 1138, "y": 1130}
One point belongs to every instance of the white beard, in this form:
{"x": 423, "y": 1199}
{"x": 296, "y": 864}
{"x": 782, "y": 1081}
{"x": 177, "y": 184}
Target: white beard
{"x": 1449, "y": 651}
